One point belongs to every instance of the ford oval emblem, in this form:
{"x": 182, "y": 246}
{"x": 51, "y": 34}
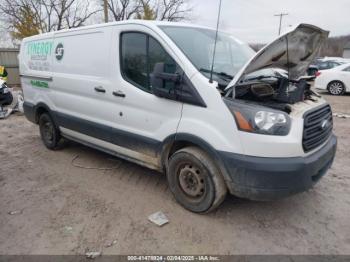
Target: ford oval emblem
{"x": 324, "y": 124}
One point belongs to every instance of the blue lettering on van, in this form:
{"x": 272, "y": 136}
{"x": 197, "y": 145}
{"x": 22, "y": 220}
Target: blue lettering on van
{"x": 39, "y": 50}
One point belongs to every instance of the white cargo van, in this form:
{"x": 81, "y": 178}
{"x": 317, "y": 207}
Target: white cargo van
{"x": 143, "y": 91}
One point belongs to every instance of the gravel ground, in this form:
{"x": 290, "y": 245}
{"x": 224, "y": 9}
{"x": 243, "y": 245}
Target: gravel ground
{"x": 62, "y": 209}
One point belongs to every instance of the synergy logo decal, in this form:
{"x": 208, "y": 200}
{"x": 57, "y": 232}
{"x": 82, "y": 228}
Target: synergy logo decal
{"x": 39, "y": 53}
{"x": 39, "y": 50}
{"x": 59, "y": 52}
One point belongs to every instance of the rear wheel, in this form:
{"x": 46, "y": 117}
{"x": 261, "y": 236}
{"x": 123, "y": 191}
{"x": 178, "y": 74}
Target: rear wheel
{"x": 195, "y": 180}
{"x": 50, "y": 134}
{"x": 336, "y": 88}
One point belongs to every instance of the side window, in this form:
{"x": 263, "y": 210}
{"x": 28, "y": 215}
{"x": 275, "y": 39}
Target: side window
{"x": 347, "y": 69}
{"x": 139, "y": 55}
{"x": 323, "y": 65}
{"x": 157, "y": 54}
{"x": 333, "y": 64}
{"x": 134, "y": 58}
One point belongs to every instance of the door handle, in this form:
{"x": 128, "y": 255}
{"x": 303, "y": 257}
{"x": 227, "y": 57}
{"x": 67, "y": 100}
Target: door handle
{"x": 118, "y": 93}
{"x": 100, "y": 89}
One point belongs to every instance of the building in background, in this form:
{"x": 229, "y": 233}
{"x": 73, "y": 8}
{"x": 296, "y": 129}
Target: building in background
{"x": 8, "y": 59}
{"x": 346, "y": 52}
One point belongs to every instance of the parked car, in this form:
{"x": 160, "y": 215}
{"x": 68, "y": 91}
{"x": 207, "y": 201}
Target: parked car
{"x": 336, "y": 80}
{"x": 337, "y": 59}
{"x": 324, "y": 64}
{"x": 144, "y": 91}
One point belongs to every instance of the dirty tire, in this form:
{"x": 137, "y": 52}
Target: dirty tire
{"x": 195, "y": 181}
{"x": 50, "y": 135}
{"x": 336, "y": 88}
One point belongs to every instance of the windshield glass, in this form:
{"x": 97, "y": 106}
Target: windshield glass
{"x": 198, "y": 45}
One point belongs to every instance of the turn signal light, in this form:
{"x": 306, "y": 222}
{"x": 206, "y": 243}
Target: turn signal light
{"x": 243, "y": 124}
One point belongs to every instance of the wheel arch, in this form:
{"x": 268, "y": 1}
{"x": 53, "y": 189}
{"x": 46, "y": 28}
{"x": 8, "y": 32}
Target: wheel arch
{"x": 336, "y": 80}
{"x": 41, "y": 108}
{"x": 178, "y": 141}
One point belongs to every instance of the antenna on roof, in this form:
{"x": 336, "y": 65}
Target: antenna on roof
{"x": 216, "y": 39}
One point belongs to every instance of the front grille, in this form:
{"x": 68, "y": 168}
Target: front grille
{"x": 318, "y": 125}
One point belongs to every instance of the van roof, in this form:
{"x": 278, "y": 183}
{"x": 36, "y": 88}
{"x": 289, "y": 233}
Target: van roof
{"x": 149, "y": 23}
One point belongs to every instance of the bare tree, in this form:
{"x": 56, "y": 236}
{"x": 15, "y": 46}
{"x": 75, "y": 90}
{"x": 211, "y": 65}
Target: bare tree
{"x": 51, "y": 15}
{"x": 169, "y": 10}
{"x": 333, "y": 46}
{"x": 69, "y": 13}
{"x": 48, "y": 15}
{"x": 124, "y": 9}
{"x": 79, "y": 14}
{"x": 173, "y": 10}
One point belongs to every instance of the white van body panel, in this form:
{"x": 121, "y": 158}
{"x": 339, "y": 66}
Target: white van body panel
{"x": 281, "y": 146}
{"x": 80, "y": 70}
{"x": 36, "y": 68}
{"x": 91, "y": 59}
{"x": 76, "y": 77}
{"x": 214, "y": 123}
{"x": 122, "y": 152}
{"x": 143, "y": 113}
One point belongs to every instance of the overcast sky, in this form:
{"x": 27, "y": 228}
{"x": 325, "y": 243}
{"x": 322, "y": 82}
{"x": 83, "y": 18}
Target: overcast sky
{"x": 253, "y": 21}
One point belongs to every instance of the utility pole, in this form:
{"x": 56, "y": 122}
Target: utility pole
{"x": 105, "y": 9}
{"x": 281, "y": 17}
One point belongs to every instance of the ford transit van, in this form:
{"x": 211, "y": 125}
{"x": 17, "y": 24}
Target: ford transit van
{"x": 146, "y": 92}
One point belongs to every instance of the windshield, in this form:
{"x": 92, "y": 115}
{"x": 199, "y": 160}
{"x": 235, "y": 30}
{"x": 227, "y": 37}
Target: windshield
{"x": 198, "y": 45}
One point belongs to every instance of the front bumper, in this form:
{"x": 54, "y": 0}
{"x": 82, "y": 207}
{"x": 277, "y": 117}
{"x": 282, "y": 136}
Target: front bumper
{"x": 262, "y": 178}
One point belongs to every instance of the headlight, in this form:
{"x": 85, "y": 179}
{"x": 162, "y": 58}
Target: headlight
{"x": 265, "y": 120}
{"x": 259, "y": 119}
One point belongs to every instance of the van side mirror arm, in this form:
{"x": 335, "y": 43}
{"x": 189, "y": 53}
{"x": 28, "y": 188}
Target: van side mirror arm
{"x": 176, "y": 78}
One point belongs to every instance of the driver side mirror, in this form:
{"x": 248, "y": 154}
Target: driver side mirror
{"x": 164, "y": 84}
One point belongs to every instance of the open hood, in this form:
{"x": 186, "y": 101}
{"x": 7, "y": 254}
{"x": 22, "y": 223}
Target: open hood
{"x": 293, "y": 51}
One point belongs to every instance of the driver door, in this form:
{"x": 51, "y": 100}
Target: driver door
{"x": 143, "y": 120}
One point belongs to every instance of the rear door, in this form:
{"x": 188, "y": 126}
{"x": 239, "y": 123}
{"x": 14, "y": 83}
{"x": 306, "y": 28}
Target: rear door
{"x": 35, "y": 65}
{"x": 82, "y": 84}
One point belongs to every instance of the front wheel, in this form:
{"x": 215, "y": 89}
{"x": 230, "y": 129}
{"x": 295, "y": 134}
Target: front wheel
{"x": 195, "y": 180}
{"x": 49, "y": 133}
{"x": 336, "y": 88}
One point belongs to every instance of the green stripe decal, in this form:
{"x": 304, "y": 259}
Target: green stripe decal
{"x": 37, "y": 83}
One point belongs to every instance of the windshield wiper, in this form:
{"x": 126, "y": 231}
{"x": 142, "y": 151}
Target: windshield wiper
{"x": 223, "y": 74}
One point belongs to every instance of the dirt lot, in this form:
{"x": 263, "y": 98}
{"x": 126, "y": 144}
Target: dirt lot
{"x": 63, "y": 209}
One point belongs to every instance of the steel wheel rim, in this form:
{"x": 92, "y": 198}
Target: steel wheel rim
{"x": 48, "y": 131}
{"x": 191, "y": 181}
{"x": 336, "y": 88}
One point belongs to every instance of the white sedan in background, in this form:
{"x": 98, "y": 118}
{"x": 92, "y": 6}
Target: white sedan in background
{"x": 336, "y": 80}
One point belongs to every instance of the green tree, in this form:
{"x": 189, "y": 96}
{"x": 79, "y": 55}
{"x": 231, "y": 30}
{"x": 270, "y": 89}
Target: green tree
{"x": 25, "y": 25}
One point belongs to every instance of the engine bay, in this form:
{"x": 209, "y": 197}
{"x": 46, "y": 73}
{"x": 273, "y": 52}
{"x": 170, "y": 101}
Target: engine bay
{"x": 273, "y": 90}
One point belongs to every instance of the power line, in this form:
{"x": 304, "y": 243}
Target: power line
{"x": 281, "y": 17}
